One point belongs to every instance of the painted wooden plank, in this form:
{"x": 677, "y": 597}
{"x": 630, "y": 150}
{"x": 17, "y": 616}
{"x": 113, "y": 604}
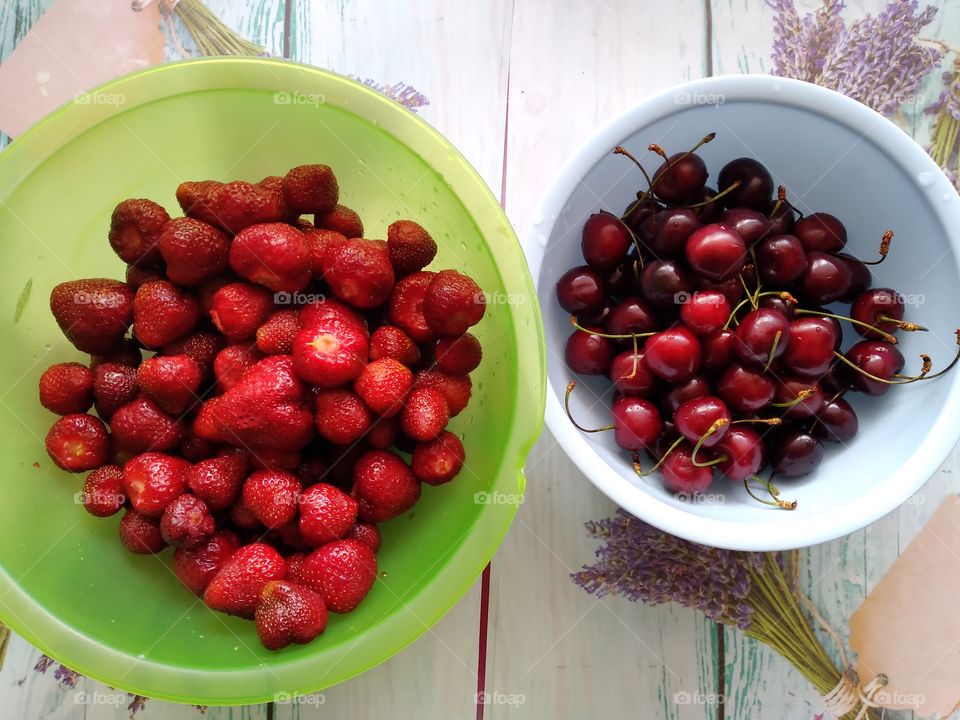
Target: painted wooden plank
{"x": 16, "y": 18}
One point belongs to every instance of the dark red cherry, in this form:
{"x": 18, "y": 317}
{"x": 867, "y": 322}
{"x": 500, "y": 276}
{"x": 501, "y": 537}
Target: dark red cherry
{"x": 605, "y": 241}
{"x": 629, "y": 316}
{"x": 694, "y": 418}
{"x": 780, "y": 260}
{"x": 673, "y": 227}
{"x": 749, "y": 224}
{"x": 663, "y": 283}
{"x": 683, "y": 391}
{"x": 756, "y": 185}
{"x": 826, "y": 279}
{"x": 716, "y": 252}
{"x": 636, "y": 423}
{"x": 742, "y": 450}
{"x": 781, "y": 221}
{"x": 775, "y": 302}
{"x": 789, "y": 389}
{"x": 836, "y": 421}
{"x": 622, "y": 280}
{"x": 870, "y": 305}
{"x": 707, "y": 209}
{"x": 639, "y": 216}
{"x": 631, "y": 375}
{"x": 880, "y": 359}
{"x": 705, "y": 312}
{"x": 757, "y": 340}
{"x": 732, "y": 289}
{"x": 681, "y": 178}
{"x": 795, "y": 453}
{"x": 673, "y": 354}
{"x": 820, "y": 231}
{"x": 812, "y": 342}
{"x": 745, "y": 389}
{"x": 717, "y": 351}
{"x": 580, "y": 291}
{"x": 680, "y": 475}
{"x": 860, "y": 278}
{"x": 588, "y": 354}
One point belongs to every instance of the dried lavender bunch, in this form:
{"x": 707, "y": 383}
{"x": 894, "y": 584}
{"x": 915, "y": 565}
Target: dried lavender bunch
{"x": 4, "y": 642}
{"x": 400, "y": 92}
{"x": 801, "y": 45}
{"x": 209, "y": 34}
{"x": 945, "y": 136}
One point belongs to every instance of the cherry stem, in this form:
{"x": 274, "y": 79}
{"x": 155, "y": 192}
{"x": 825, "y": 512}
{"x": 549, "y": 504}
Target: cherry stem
{"x": 636, "y": 361}
{"x": 621, "y": 150}
{"x": 949, "y": 367}
{"x": 762, "y": 421}
{"x": 885, "y": 242}
{"x": 654, "y": 148}
{"x": 781, "y": 198}
{"x": 750, "y": 298}
{"x": 801, "y": 396}
{"x": 636, "y": 461}
{"x": 900, "y": 379}
{"x": 581, "y": 328}
{"x": 566, "y": 406}
{"x": 782, "y": 294}
{"x": 772, "y": 490}
{"x": 729, "y": 189}
{"x": 719, "y": 423}
{"x": 886, "y": 336}
{"x": 902, "y": 324}
{"x": 773, "y": 350}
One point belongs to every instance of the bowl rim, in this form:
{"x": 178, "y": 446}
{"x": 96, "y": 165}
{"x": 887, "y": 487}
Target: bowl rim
{"x": 465, "y": 561}
{"x": 903, "y": 150}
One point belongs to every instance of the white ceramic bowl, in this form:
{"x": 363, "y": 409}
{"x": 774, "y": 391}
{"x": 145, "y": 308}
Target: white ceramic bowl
{"x": 835, "y": 155}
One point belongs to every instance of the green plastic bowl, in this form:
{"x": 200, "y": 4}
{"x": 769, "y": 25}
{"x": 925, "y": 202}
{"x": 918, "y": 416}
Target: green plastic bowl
{"x": 66, "y": 584}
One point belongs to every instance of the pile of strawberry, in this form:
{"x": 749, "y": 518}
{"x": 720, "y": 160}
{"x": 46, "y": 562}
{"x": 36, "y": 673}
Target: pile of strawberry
{"x": 290, "y": 364}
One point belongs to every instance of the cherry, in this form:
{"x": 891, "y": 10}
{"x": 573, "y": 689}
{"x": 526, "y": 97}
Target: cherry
{"x": 820, "y": 231}
{"x": 880, "y": 359}
{"x": 749, "y": 224}
{"x": 795, "y": 453}
{"x": 716, "y": 252}
{"x": 812, "y": 343}
{"x": 782, "y": 218}
{"x": 827, "y": 278}
{"x": 860, "y": 278}
{"x": 681, "y": 178}
{"x": 580, "y": 290}
{"x": 880, "y": 307}
{"x": 731, "y": 289}
{"x": 780, "y": 260}
{"x": 680, "y": 475}
{"x": 662, "y": 282}
{"x": 673, "y": 227}
{"x": 742, "y": 451}
{"x": 631, "y": 375}
{"x": 776, "y": 302}
{"x": 833, "y": 381}
{"x": 836, "y": 421}
{"x": 636, "y": 423}
{"x": 707, "y": 210}
{"x": 605, "y": 241}
{"x": 791, "y": 389}
{"x": 674, "y": 353}
{"x": 717, "y": 350}
{"x": 745, "y": 389}
{"x": 756, "y": 185}
{"x": 762, "y": 336}
{"x": 629, "y": 316}
{"x": 705, "y": 312}
{"x": 622, "y": 280}
{"x": 638, "y": 216}
{"x": 696, "y": 417}
{"x": 588, "y": 354}
{"x": 681, "y": 392}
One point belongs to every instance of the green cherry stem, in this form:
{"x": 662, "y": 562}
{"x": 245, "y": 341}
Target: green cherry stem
{"x": 710, "y": 431}
{"x": 566, "y": 406}
{"x": 886, "y": 336}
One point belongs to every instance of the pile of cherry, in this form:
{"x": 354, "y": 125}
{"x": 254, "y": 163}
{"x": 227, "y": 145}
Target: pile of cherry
{"x": 711, "y": 313}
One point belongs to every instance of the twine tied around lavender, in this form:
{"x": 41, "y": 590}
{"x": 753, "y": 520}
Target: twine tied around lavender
{"x": 208, "y": 32}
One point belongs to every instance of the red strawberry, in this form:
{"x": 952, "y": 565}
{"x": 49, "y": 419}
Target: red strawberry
{"x": 193, "y": 251}
{"x": 274, "y": 183}
{"x": 272, "y": 496}
{"x": 294, "y": 563}
{"x": 197, "y": 567}
{"x": 239, "y": 309}
{"x": 388, "y": 341}
{"x": 458, "y": 356}
{"x": 202, "y": 347}
{"x": 359, "y": 273}
{"x": 453, "y": 303}
{"x": 311, "y": 188}
{"x": 196, "y": 199}
{"x": 232, "y": 362}
{"x": 288, "y": 613}
{"x": 438, "y": 461}
{"x": 341, "y": 572}
{"x": 383, "y": 385}
{"x": 455, "y": 388}
{"x": 153, "y": 480}
{"x": 187, "y": 522}
{"x": 318, "y": 312}
{"x": 172, "y": 381}
{"x": 136, "y": 276}
{"x": 313, "y": 468}
{"x": 326, "y": 513}
{"x": 239, "y": 204}
{"x": 141, "y": 426}
{"x": 78, "y": 442}
{"x": 342, "y": 418}
{"x": 243, "y": 518}
{"x": 367, "y": 533}
{"x": 323, "y": 244}
{"x": 163, "y": 313}
{"x": 236, "y": 588}
{"x": 114, "y": 385}
{"x": 405, "y": 306}
{"x": 195, "y": 448}
{"x": 341, "y": 219}
{"x": 217, "y": 480}
{"x": 383, "y": 433}
{"x": 134, "y": 229}
{"x": 288, "y": 535}
{"x": 94, "y": 314}
{"x": 267, "y": 459}
{"x": 342, "y": 459}
{"x": 274, "y": 255}
{"x": 330, "y": 352}
{"x": 141, "y": 534}
{"x": 102, "y": 492}
{"x": 383, "y": 486}
{"x": 275, "y": 336}
{"x": 425, "y": 414}
{"x": 207, "y": 289}
{"x": 411, "y": 247}
{"x": 66, "y": 388}
{"x": 127, "y": 353}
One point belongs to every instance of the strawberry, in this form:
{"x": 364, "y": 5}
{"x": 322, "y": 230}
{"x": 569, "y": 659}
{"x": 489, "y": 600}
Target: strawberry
{"x": 405, "y": 306}
{"x": 195, "y": 448}
{"x": 411, "y": 247}
{"x": 341, "y": 219}
{"x": 290, "y": 537}
{"x": 187, "y": 522}
{"x": 94, "y": 314}
{"x": 383, "y": 384}
{"x": 367, "y": 533}
{"x": 102, "y": 492}
{"x": 313, "y": 467}
{"x": 196, "y": 567}
{"x": 206, "y": 290}
{"x": 243, "y": 518}
{"x": 114, "y": 385}
{"x": 453, "y": 303}
{"x": 275, "y": 336}
{"x": 458, "y": 356}
{"x": 318, "y": 312}
{"x": 217, "y": 480}
{"x": 267, "y": 459}
{"x": 232, "y": 362}
{"x": 289, "y": 613}
{"x": 330, "y": 352}
{"x": 136, "y": 276}
{"x": 323, "y": 244}
{"x": 193, "y": 251}
{"x": 388, "y": 341}
{"x": 425, "y": 414}
{"x": 127, "y": 353}
{"x": 383, "y": 433}
{"x": 359, "y": 273}
{"x": 171, "y": 381}
{"x": 141, "y": 426}
{"x": 311, "y": 188}
{"x": 438, "y": 461}
{"x": 294, "y": 563}
{"x": 163, "y": 313}
{"x": 196, "y": 200}
{"x": 140, "y": 533}
{"x": 239, "y": 204}
{"x": 341, "y": 572}
{"x": 274, "y": 255}
{"x": 326, "y": 513}
{"x": 236, "y": 588}
{"x": 135, "y": 227}
{"x": 78, "y": 442}
{"x": 202, "y": 347}
{"x": 455, "y": 388}
{"x": 66, "y": 388}
{"x": 341, "y": 416}
{"x": 239, "y": 309}
{"x": 342, "y": 459}
{"x": 274, "y": 183}
{"x": 383, "y": 486}
{"x": 272, "y": 496}
{"x": 153, "y": 480}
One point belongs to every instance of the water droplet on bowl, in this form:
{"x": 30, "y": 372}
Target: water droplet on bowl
{"x": 538, "y": 219}
{"x": 543, "y": 240}
{"x": 926, "y": 179}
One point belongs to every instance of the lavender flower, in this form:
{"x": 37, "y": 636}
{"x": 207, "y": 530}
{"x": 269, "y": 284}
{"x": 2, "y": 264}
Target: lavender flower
{"x": 136, "y": 705}
{"x": 64, "y": 676}
{"x": 400, "y": 92}
{"x": 801, "y": 45}
{"x": 945, "y": 136}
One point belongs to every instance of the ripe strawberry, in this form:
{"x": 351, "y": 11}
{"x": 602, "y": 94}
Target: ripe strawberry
{"x": 311, "y": 188}
{"x": 411, "y": 247}
{"x": 153, "y": 480}
{"x": 163, "y": 313}
{"x": 171, "y": 381}
{"x": 141, "y": 426}
{"x": 458, "y": 356}
{"x": 274, "y": 255}
{"x": 367, "y": 533}
{"x": 326, "y": 513}
{"x": 383, "y": 486}
{"x": 330, "y": 352}
{"x": 267, "y": 459}
{"x": 425, "y": 414}
{"x": 135, "y": 227}
{"x": 294, "y": 563}
{"x": 323, "y": 244}
{"x": 78, "y": 442}
{"x": 195, "y": 448}
{"x": 274, "y": 183}
{"x": 405, "y": 306}
{"x": 136, "y": 276}
{"x": 236, "y": 588}
{"x": 202, "y": 347}
{"x": 127, "y": 353}
{"x": 318, "y": 312}
{"x": 388, "y": 341}
{"x": 141, "y": 534}
{"x": 206, "y": 290}
{"x": 193, "y": 251}
{"x": 196, "y": 567}
{"x": 341, "y": 572}
{"x": 383, "y": 385}
{"x": 288, "y": 535}
{"x": 272, "y": 496}
{"x": 94, "y": 314}
{"x": 187, "y": 522}
{"x": 341, "y": 416}
{"x": 102, "y": 492}
{"x": 114, "y": 385}
{"x": 289, "y": 613}
{"x": 66, "y": 388}
{"x": 453, "y": 303}
{"x": 196, "y": 199}
{"x": 243, "y": 518}
{"x": 383, "y": 433}
{"x": 359, "y": 273}
{"x": 438, "y": 461}
{"x": 232, "y": 362}
{"x": 341, "y": 219}
{"x": 457, "y": 389}
{"x": 239, "y": 204}
{"x": 313, "y": 468}
{"x": 239, "y": 309}
{"x": 275, "y": 336}
{"x": 217, "y": 480}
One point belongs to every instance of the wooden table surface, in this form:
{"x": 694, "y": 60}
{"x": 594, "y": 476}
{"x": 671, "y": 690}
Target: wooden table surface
{"x": 517, "y": 85}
